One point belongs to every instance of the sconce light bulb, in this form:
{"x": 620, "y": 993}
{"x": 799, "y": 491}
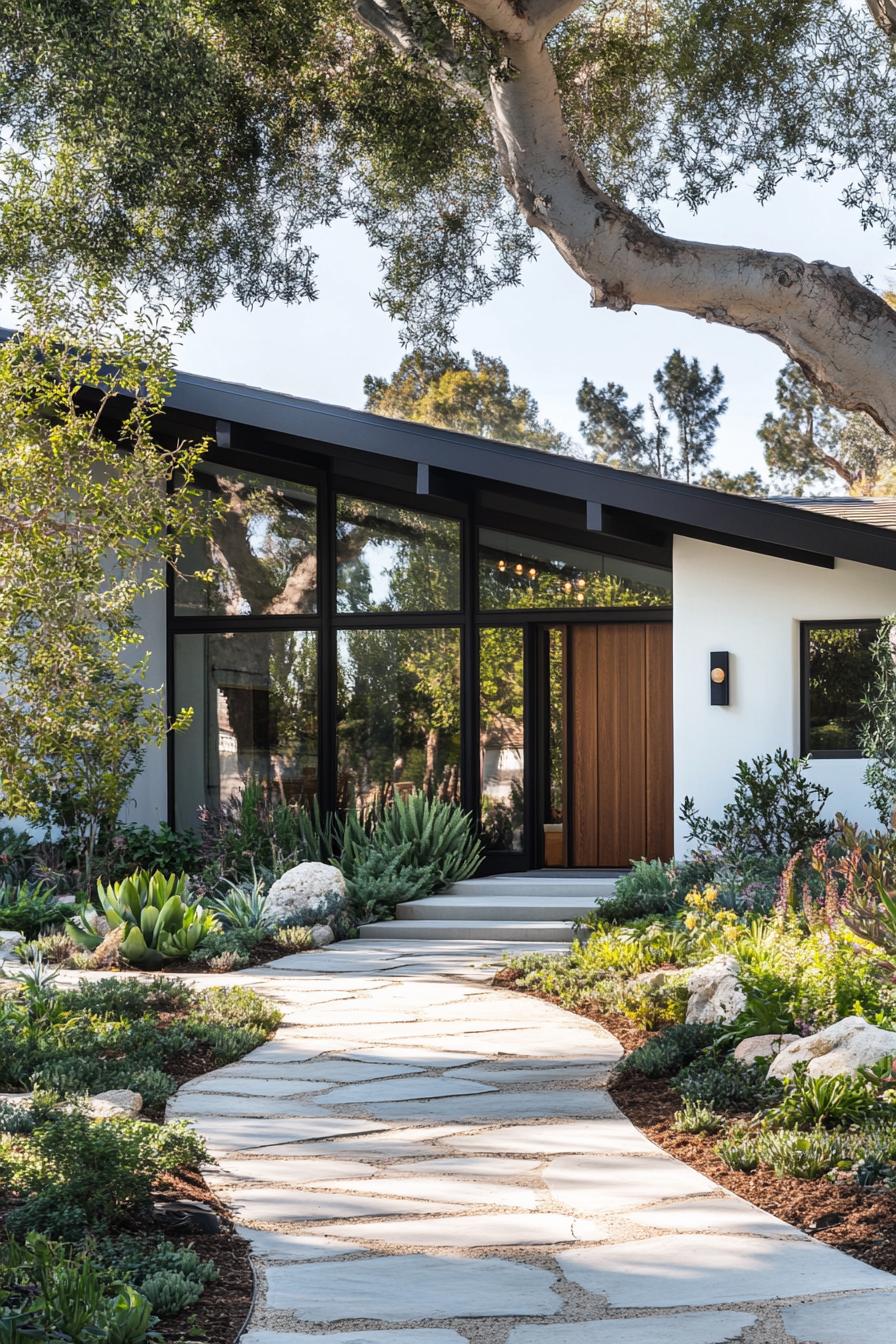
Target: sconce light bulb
{"x": 518, "y": 568}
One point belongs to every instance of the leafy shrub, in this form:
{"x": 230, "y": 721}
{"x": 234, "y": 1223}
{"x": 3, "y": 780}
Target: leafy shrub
{"x": 160, "y": 922}
{"x": 238, "y": 943}
{"x": 53, "y": 947}
{"x": 776, "y": 809}
{"x": 668, "y": 1053}
{"x": 428, "y": 832}
{"x": 253, "y": 829}
{"x": 697, "y": 1118}
{"x": 171, "y": 1277}
{"x": 16, "y": 854}
{"x": 103, "y": 1169}
{"x": 150, "y": 848}
{"x": 29, "y": 907}
{"x": 382, "y": 879}
{"x": 649, "y": 888}
{"x": 836, "y": 1101}
{"x": 52, "y": 1292}
{"x": 653, "y": 1005}
{"x": 724, "y": 1084}
{"x": 16, "y": 1118}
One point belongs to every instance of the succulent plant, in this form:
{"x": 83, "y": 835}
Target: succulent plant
{"x": 159, "y": 920}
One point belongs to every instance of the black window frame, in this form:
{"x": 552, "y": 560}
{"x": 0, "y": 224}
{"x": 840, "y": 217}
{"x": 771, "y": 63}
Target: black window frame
{"x": 806, "y": 628}
{"x": 330, "y": 479}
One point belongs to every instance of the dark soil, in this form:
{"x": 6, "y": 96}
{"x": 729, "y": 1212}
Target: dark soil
{"x": 839, "y": 1213}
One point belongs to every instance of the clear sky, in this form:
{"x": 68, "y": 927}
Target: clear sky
{"x": 544, "y": 329}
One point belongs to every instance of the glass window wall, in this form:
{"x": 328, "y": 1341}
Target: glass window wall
{"x": 390, "y": 559}
{"x": 262, "y": 552}
{"x": 254, "y": 702}
{"x": 502, "y": 735}
{"x": 398, "y": 709}
{"x": 519, "y": 571}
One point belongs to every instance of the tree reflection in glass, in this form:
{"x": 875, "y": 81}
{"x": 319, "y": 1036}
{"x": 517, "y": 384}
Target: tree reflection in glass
{"x": 391, "y": 559}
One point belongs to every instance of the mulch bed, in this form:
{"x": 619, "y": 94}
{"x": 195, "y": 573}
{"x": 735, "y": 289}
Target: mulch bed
{"x": 860, "y": 1222}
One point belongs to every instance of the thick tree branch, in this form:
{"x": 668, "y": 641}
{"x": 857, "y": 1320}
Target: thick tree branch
{"x": 389, "y": 20}
{"x": 503, "y": 17}
{"x": 841, "y": 334}
{"x": 883, "y": 12}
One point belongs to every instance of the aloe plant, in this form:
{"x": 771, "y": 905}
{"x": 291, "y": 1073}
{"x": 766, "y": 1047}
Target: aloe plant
{"x": 159, "y": 920}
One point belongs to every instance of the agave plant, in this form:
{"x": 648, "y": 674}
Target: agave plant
{"x": 242, "y": 905}
{"x": 160, "y": 922}
{"x": 435, "y": 833}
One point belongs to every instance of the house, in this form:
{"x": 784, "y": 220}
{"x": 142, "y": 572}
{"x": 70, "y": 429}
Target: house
{"x": 566, "y": 649}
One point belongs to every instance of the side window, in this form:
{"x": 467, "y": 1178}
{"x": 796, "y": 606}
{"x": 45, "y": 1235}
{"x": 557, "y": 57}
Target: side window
{"x": 836, "y": 676}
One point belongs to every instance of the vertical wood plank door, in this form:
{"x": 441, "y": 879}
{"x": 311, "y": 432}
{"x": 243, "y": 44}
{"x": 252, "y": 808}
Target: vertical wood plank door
{"x": 620, "y": 721}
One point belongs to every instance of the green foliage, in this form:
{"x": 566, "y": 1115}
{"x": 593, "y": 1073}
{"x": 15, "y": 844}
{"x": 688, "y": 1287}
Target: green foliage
{"x": 695, "y": 1117}
{"x": 805, "y": 1155}
{"x": 653, "y": 1005}
{"x": 30, "y": 907}
{"x": 431, "y": 833}
{"x": 381, "y": 879}
{"x": 675, "y": 447}
{"x": 16, "y": 854}
{"x": 123, "y": 1033}
{"x": 869, "y": 903}
{"x": 724, "y": 1084}
{"x": 810, "y": 444}
{"x": 648, "y": 888}
{"x": 159, "y": 920}
{"x": 238, "y": 943}
{"x": 241, "y": 906}
{"x": 294, "y": 938}
{"x": 669, "y": 1052}
{"x": 776, "y": 809}
{"x": 739, "y": 1150}
{"x": 170, "y": 1276}
{"x": 478, "y": 398}
{"x": 84, "y": 507}
{"x": 149, "y": 847}
{"x": 877, "y": 738}
{"x": 254, "y": 833}
{"x": 54, "y": 1292}
{"x": 72, "y": 1167}
{"x": 831, "y": 1102}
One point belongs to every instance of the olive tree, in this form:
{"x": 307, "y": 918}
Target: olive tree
{"x": 192, "y": 148}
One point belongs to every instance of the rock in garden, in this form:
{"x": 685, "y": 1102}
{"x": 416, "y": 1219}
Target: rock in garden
{"x": 752, "y": 1048}
{"x": 9, "y": 941}
{"x": 107, "y": 953}
{"x": 656, "y": 979}
{"x": 322, "y": 935}
{"x": 714, "y": 992}
{"x": 844, "y": 1047}
{"x": 119, "y": 1101}
{"x": 310, "y": 893}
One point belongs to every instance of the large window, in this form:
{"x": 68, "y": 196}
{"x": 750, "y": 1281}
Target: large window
{"x": 523, "y": 572}
{"x": 502, "y": 735}
{"x": 390, "y": 559}
{"x": 398, "y": 709}
{"x": 254, "y": 701}
{"x": 837, "y": 672}
{"x": 263, "y": 550}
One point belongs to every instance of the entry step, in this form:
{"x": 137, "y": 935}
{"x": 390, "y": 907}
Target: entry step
{"x": 578, "y": 888}
{"x": 461, "y": 905}
{"x": 484, "y": 930}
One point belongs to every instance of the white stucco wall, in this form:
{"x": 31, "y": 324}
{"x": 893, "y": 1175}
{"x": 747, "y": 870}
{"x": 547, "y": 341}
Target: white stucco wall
{"x": 148, "y": 803}
{"x": 752, "y": 605}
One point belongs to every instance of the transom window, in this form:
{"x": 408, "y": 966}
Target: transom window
{"x": 837, "y": 672}
{"x": 517, "y": 572}
{"x": 392, "y": 559}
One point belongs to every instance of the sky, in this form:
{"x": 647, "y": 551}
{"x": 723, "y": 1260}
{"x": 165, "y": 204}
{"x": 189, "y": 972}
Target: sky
{"x": 544, "y": 329}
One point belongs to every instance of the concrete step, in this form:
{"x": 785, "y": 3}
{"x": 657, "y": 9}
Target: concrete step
{"x": 497, "y": 906}
{"x": 483, "y": 930}
{"x": 527, "y": 885}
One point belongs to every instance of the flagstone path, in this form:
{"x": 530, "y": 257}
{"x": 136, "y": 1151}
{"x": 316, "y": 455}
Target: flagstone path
{"x": 419, "y": 1158}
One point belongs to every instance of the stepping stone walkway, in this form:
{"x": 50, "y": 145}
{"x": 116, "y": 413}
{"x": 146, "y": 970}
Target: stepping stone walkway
{"x": 419, "y": 1158}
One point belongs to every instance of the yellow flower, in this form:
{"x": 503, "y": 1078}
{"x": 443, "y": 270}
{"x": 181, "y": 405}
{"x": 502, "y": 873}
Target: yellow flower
{"x": 690, "y": 921}
{"x": 710, "y": 895}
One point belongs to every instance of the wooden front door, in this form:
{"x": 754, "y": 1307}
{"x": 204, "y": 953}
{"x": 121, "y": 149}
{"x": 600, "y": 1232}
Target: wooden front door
{"x": 619, "y": 719}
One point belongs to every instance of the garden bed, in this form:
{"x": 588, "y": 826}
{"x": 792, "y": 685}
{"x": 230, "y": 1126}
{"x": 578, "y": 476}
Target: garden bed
{"x": 860, "y": 1222}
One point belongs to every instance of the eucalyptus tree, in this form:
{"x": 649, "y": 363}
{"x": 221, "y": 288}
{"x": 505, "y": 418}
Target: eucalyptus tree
{"x": 194, "y": 147}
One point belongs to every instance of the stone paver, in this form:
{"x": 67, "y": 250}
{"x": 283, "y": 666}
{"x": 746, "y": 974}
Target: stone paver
{"x": 415, "y": 1288}
{"x": 418, "y": 1158}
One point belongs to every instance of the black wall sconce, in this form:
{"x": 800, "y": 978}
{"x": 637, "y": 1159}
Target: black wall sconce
{"x": 719, "y": 679}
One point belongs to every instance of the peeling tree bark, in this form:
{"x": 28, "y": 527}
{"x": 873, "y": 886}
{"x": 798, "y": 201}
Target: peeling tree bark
{"x": 841, "y": 333}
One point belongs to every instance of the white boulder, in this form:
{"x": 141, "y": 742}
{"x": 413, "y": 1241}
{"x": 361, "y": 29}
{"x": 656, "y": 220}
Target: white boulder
{"x": 844, "y": 1047}
{"x": 118, "y": 1101}
{"x": 714, "y": 992}
{"x": 310, "y": 893}
{"x": 752, "y": 1048}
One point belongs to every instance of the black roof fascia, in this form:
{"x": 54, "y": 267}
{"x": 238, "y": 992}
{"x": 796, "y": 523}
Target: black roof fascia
{"x": 728, "y": 517}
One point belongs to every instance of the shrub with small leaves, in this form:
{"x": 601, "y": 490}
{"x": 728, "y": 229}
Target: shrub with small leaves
{"x": 294, "y": 938}
{"x": 669, "y": 1052}
{"x": 739, "y": 1151}
{"x": 725, "y": 1085}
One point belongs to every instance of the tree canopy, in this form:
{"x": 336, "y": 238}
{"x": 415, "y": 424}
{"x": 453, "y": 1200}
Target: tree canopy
{"x": 192, "y": 148}
{"x": 474, "y": 398}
